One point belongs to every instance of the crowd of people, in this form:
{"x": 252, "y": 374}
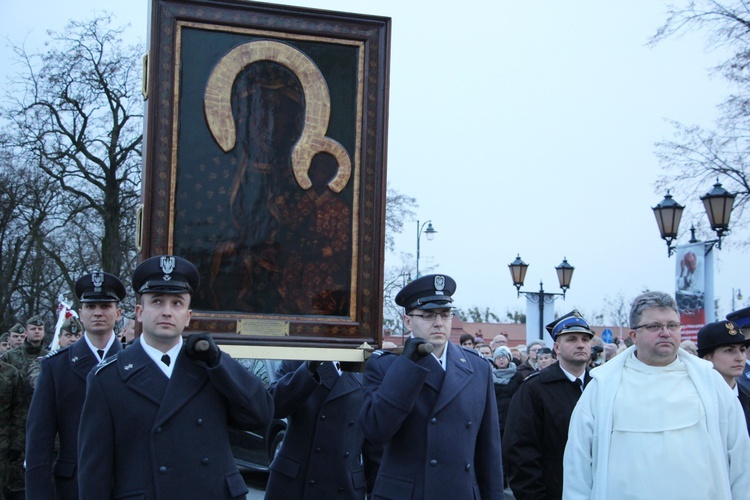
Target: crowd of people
{"x": 107, "y": 415}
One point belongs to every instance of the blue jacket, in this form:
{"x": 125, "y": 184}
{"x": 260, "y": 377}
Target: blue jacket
{"x": 324, "y": 445}
{"x": 145, "y": 436}
{"x": 744, "y": 379}
{"x": 56, "y": 410}
{"x": 439, "y": 428}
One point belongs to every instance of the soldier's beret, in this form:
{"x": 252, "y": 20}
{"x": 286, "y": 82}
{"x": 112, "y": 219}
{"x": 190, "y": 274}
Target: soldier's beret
{"x": 720, "y": 333}
{"x": 166, "y": 274}
{"x": 35, "y": 320}
{"x": 72, "y": 325}
{"x": 99, "y": 287}
{"x": 17, "y": 328}
{"x": 572, "y": 322}
{"x": 433, "y": 291}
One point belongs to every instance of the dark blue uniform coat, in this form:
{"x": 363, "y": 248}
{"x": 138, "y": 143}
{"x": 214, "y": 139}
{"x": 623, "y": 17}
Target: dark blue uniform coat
{"x": 149, "y": 437}
{"x": 744, "y": 379}
{"x": 320, "y": 457}
{"x": 56, "y": 410}
{"x": 439, "y": 428}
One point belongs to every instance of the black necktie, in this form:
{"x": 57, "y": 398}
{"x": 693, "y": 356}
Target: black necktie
{"x": 165, "y": 359}
{"x": 579, "y": 383}
{"x": 100, "y": 352}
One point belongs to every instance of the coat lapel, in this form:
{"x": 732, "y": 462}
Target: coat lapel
{"x": 141, "y": 374}
{"x": 82, "y": 360}
{"x": 345, "y": 384}
{"x": 188, "y": 378}
{"x": 457, "y": 375}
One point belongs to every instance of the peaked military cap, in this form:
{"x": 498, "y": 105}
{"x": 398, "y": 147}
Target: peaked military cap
{"x": 166, "y": 274}
{"x": 433, "y": 291}
{"x": 741, "y": 317}
{"x": 35, "y": 320}
{"x": 17, "y": 328}
{"x": 720, "y": 333}
{"x": 72, "y": 325}
{"x": 572, "y": 322}
{"x": 99, "y": 287}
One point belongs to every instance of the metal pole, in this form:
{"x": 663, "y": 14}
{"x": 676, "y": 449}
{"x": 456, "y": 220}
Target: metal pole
{"x": 541, "y": 311}
{"x": 419, "y": 233}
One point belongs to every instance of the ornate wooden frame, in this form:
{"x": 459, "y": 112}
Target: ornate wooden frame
{"x": 193, "y": 166}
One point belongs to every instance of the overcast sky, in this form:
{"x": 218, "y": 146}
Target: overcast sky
{"x": 521, "y": 127}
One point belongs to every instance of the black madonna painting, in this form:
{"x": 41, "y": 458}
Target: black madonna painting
{"x": 265, "y": 191}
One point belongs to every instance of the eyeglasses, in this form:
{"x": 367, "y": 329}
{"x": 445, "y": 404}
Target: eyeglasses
{"x": 656, "y": 327}
{"x": 432, "y": 316}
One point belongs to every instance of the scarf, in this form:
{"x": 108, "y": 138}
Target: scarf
{"x": 503, "y": 375}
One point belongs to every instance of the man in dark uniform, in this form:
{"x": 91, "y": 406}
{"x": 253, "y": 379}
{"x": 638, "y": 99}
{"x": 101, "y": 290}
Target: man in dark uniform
{"x": 742, "y": 318}
{"x": 61, "y": 388}
{"x": 724, "y": 344}
{"x": 320, "y": 401}
{"x": 156, "y": 415}
{"x": 536, "y": 428}
{"x": 435, "y": 413}
{"x": 23, "y": 358}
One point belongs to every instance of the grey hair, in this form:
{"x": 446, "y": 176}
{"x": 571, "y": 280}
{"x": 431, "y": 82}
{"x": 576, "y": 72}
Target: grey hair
{"x": 650, "y": 300}
{"x": 540, "y": 343}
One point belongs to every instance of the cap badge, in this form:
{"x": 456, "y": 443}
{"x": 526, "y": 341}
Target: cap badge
{"x": 73, "y": 329}
{"x": 97, "y": 278}
{"x": 167, "y": 263}
{"x": 439, "y": 284}
{"x": 730, "y": 328}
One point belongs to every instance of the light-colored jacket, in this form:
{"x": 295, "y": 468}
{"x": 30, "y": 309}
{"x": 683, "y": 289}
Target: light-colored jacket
{"x": 586, "y": 459}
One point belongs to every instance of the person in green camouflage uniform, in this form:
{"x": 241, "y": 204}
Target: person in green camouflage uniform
{"x": 23, "y": 358}
{"x": 12, "y": 419}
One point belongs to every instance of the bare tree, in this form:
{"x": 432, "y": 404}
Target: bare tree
{"x": 76, "y": 111}
{"x": 698, "y": 156}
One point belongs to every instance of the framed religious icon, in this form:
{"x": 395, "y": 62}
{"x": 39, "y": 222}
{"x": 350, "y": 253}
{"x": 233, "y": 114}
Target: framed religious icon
{"x": 265, "y": 166}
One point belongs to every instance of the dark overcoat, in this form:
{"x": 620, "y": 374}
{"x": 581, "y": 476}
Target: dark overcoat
{"x": 744, "y": 379}
{"x": 149, "y": 437}
{"x": 324, "y": 445}
{"x": 536, "y": 430}
{"x": 56, "y": 411}
{"x": 439, "y": 428}
{"x": 744, "y": 395}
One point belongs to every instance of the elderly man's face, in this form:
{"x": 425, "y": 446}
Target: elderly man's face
{"x": 533, "y": 350}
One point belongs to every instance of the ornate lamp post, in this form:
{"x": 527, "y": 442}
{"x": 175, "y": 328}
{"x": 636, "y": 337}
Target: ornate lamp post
{"x": 518, "y": 270}
{"x": 429, "y": 234}
{"x": 718, "y": 204}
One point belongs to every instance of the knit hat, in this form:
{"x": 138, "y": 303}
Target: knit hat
{"x": 503, "y": 351}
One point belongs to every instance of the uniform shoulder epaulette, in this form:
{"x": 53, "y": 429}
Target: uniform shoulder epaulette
{"x": 56, "y": 352}
{"x": 104, "y": 364}
{"x": 535, "y": 374}
{"x": 378, "y": 353}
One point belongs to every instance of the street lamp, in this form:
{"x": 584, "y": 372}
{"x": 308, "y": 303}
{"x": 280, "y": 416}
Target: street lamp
{"x": 718, "y": 204}
{"x": 518, "y": 270}
{"x": 429, "y": 234}
{"x": 739, "y": 297}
